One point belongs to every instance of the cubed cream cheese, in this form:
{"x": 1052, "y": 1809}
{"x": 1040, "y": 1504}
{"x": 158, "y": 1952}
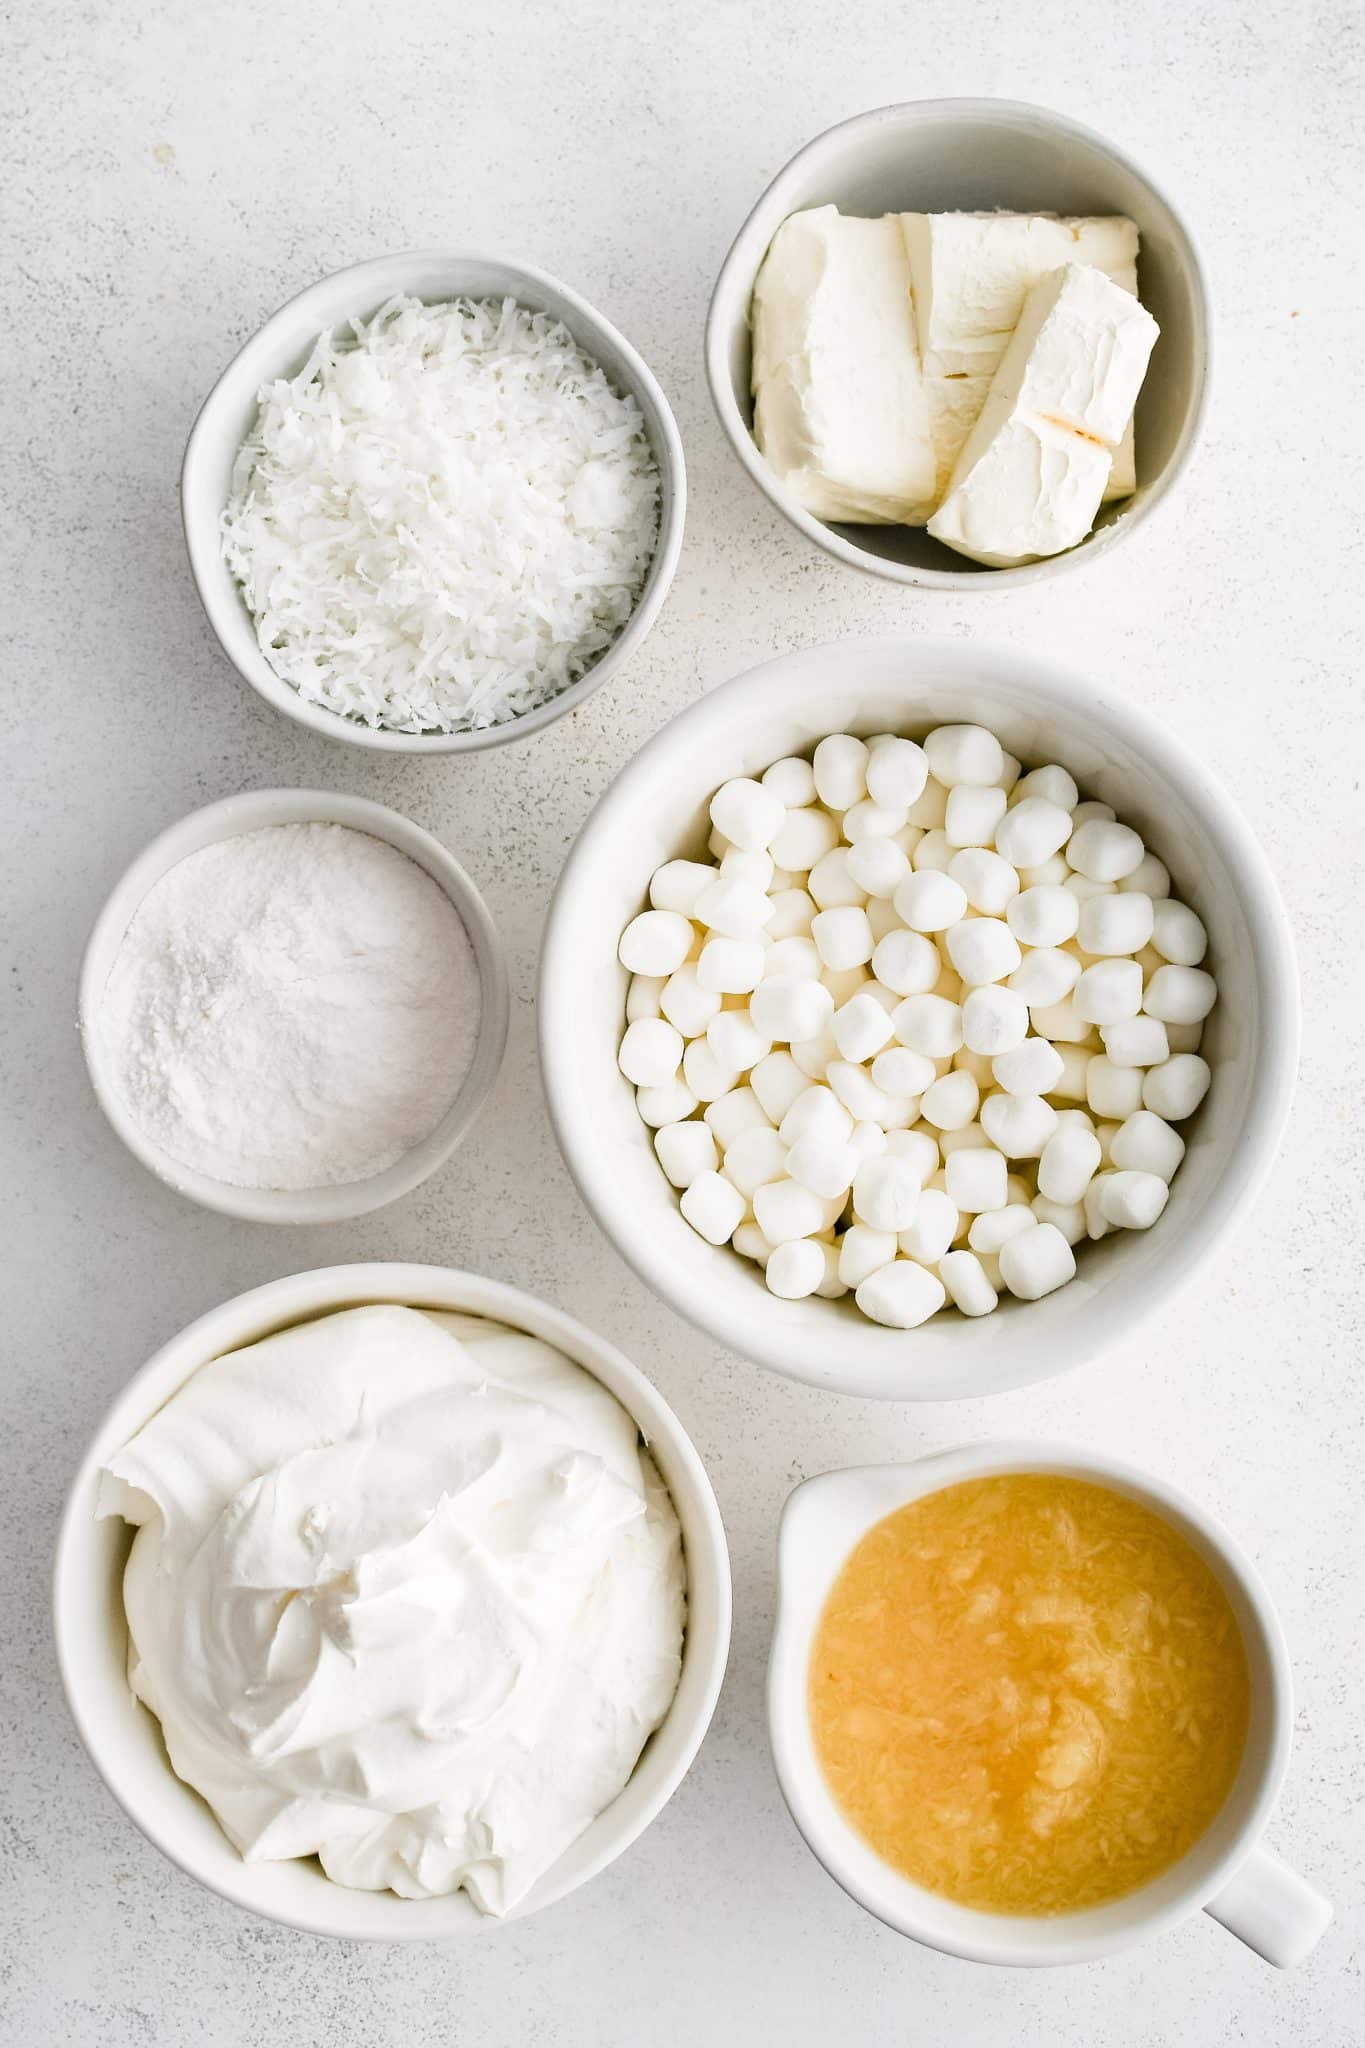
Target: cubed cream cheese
{"x": 1032, "y": 472}
{"x": 840, "y": 411}
{"x": 971, "y": 273}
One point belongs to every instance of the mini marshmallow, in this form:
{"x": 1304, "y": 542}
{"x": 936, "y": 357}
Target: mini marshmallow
{"x": 1084, "y": 890}
{"x": 878, "y": 865}
{"x": 738, "y": 910}
{"x": 1036, "y": 1262}
{"x": 1180, "y": 995}
{"x": 793, "y": 910}
{"x": 642, "y": 997}
{"x": 1083, "y": 813}
{"x": 747, "y": 814}
{"x": 976, "y": 1064}
{"x": 969, "y": 1290}
{"x": 1028, "y": 1069}
{"x": 784, "y": 1210}
{"x": 831, "y": 885}
{"x": 957, "y": 1141}
{"x": 1068, "y": 1162}
{"x": 678, "y": 883}
{"x": 886, "y": 1193}
{"x": 777, "y": 1081}
{"x": 750, "y": 1243}
{"x": 934, "y": 853}
{"x": 863, "y": 1099}
{"x": 990, "y": 884}
{"x": 803, "y": 839}
{"x": 1032, "y": 831}
{"x": 902, "y": 1072}
{"x": 1070, "y": 1083}
{"x": 1052, "y": 783}
{"x": 669, "y": 1104}
{"x": 934, "y": 1226}
{"x": 930, "y": 807}
{"x": 881, "y": 915}
{"x": 656, "y": 942}
{"x": 1100, "y": 848}
{"x": 983, "y": 949}
{"x": 901, "y": 1295}
{"x": 964, "y": 753}
{"x": 930, "y": 901}
{"x": 1176, "y": 1088}
{"x": 906, "y": 962}
{"x": 995, "y": 1020}
{"x": 929, "y": 1024}
{"x": 1115, "y": 924}
{"x": 813, "y": 1055}
{"x": 844, "y": 983}
{"x": 1150, "y": 877}
{"x": 816, "y": 1113}
{"x": 795, "y": 1269}
{"x": 1183, "y": 1037}
{"x": 1136, "y": 1042}
{"x": 989, "y": 1232}
{"x": 826, "y": 1169}
{"x": 1109, "y": 991}
{"x": 1178, "y": 935}
{"x": 731, "y": 967}
{"x": 897, "y": 771}
{"x": 1147, "y": 1144}
{"x": 1011, "y": 768}
{"x": 704, "y": 1074}
{"x": 649, "y": 1052}
{"x": 1106, "y": 1133}
{"x": 787, "y": 1008}
{"x": 1045, "y": 976}
{"x": 843, "y": 937}
{"x": 951, "y": 1103}
{"x": 1110, "y": 1090}
{"x": 1049, "y": 874}
{"x": 1068, "y": 1217}
{"x": 1097, "y": 1224}
{"x": 714, "y": 1207}
{"x": 756, "y": 870}
{"x": 734, "y": 1041}
{"x": 920, "y": 1147}
{"x": 1132, "y": 1200}
{"x": 861, "y": 1028}
{"x": 973, "y": 813}
{"x": 753, "y": 1158}
{"x": 840, "y": 768}
{"x": 729, "y": 1116}
{"x": 975, "y": 1179}
{"x": 862, "y": 1251}
{"x": 831, "y": 1286}
{"x": 1019, "y": 1125}
{"x": 1043, "y": 916}
{"x": 796, "y": 959}
{"x": 792, "y": 782}
{"x": 1061, "y": 1023}
{"x": 686, "y": 1151}
{"x": 871, "y": 821}
{"x": 869, "y": 1139}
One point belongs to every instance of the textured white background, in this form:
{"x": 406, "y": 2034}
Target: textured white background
{"x": 173, "y": 173}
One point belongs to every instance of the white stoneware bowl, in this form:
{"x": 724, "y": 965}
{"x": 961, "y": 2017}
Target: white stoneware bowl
{"x": 249, "y": 813}
{"x": 1228, "y": 1872}
{"x": 124, "y": 1739}
{"x": 282, "y": 347}
{"x": 948, "y": 156}
{"x": 657, "y": 809}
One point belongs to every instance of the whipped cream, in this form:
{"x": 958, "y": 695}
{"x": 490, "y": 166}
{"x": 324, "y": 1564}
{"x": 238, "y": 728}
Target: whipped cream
{"x": 406, "y": 1593}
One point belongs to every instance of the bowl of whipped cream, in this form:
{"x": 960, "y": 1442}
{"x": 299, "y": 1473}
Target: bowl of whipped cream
{"x": 391, "y": 1602}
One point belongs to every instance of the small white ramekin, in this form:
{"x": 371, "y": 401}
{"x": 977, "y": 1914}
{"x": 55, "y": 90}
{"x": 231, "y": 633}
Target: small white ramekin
{"x": 282, "y": 347}
{"x": 1228, "y": 1872}
{"x": 124, "y": 1739}
{"x": 976, "y": 155}
{"x": 657, "y": 809}
{"x": 249, "y": 813}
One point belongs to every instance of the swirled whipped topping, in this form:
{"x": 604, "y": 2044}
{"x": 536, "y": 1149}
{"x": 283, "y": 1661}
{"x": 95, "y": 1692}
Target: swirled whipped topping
{"x": 406, "y": 1593}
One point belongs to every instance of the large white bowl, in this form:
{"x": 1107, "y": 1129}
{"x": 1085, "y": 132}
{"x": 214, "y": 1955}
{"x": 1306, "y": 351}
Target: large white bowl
{"x": 947, "y": 156}
{"x": 282, "y": 347}
{"x": 657, "y": 809}
{"x": 251, "y": 812}
{"x": 124, "y": 1739}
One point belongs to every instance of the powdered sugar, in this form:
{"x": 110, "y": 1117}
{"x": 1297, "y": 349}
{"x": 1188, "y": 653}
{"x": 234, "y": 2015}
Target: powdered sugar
{"x": 292, "y": 1008}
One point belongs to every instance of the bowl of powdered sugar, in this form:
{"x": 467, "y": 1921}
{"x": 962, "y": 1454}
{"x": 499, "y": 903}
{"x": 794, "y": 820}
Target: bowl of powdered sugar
{"x": 434, "y": 503}
{"x": 293, "y": 1006}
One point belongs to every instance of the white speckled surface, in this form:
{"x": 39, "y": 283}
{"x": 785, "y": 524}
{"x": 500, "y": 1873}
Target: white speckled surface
{"x": 170, "y": 173}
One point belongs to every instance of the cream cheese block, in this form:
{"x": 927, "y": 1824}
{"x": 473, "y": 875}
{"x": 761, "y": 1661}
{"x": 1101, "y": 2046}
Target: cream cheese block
{"x": 1032, "y": 472}
{"x": 970, "y": 274}
{"x": 840, "y": 411}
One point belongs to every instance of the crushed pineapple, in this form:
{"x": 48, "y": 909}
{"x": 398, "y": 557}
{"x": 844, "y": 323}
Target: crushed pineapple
{"x": 1028, "y": 1693}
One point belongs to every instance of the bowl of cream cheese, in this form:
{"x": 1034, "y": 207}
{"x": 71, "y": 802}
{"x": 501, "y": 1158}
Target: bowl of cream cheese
{"x": 391, "y": 1602}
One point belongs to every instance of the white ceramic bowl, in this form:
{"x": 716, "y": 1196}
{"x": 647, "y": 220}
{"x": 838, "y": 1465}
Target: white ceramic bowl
{"x": 657, "y": 809}
{"x": 282, "y": 347}
{"x": 947, "y": 156}
{"x": 248, "y": 813}
{"x": 1227, "y": 1872}
{"x": 124, "y": 1739}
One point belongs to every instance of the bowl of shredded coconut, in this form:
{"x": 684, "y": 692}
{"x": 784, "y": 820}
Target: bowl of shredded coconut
{"x": 293, "y": 1006}
{"x": 433, "y": 504}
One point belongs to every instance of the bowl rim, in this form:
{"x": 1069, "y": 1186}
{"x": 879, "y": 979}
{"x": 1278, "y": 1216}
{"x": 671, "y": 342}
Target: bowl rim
{"x": 255, "y": 810}
{"x": 1248, "y": 1164}
{"x": 299, "y": 1297}
{"x": 736, "y": 278}
{"x": 207, "y": 570}
{"x": 994, "y": 1939}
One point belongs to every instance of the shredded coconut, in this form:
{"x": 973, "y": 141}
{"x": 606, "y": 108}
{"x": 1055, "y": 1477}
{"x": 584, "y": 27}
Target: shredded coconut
{"x": 293, "y": 1008}
{"x": 445, "y": 519}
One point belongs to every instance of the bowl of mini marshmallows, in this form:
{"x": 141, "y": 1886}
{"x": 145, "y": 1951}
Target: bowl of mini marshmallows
{"x": 433, "y": 504}
{"x": 917, "y": 1018}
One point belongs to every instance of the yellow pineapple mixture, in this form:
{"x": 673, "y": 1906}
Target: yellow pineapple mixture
{"x": 1028, "y": 1693}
